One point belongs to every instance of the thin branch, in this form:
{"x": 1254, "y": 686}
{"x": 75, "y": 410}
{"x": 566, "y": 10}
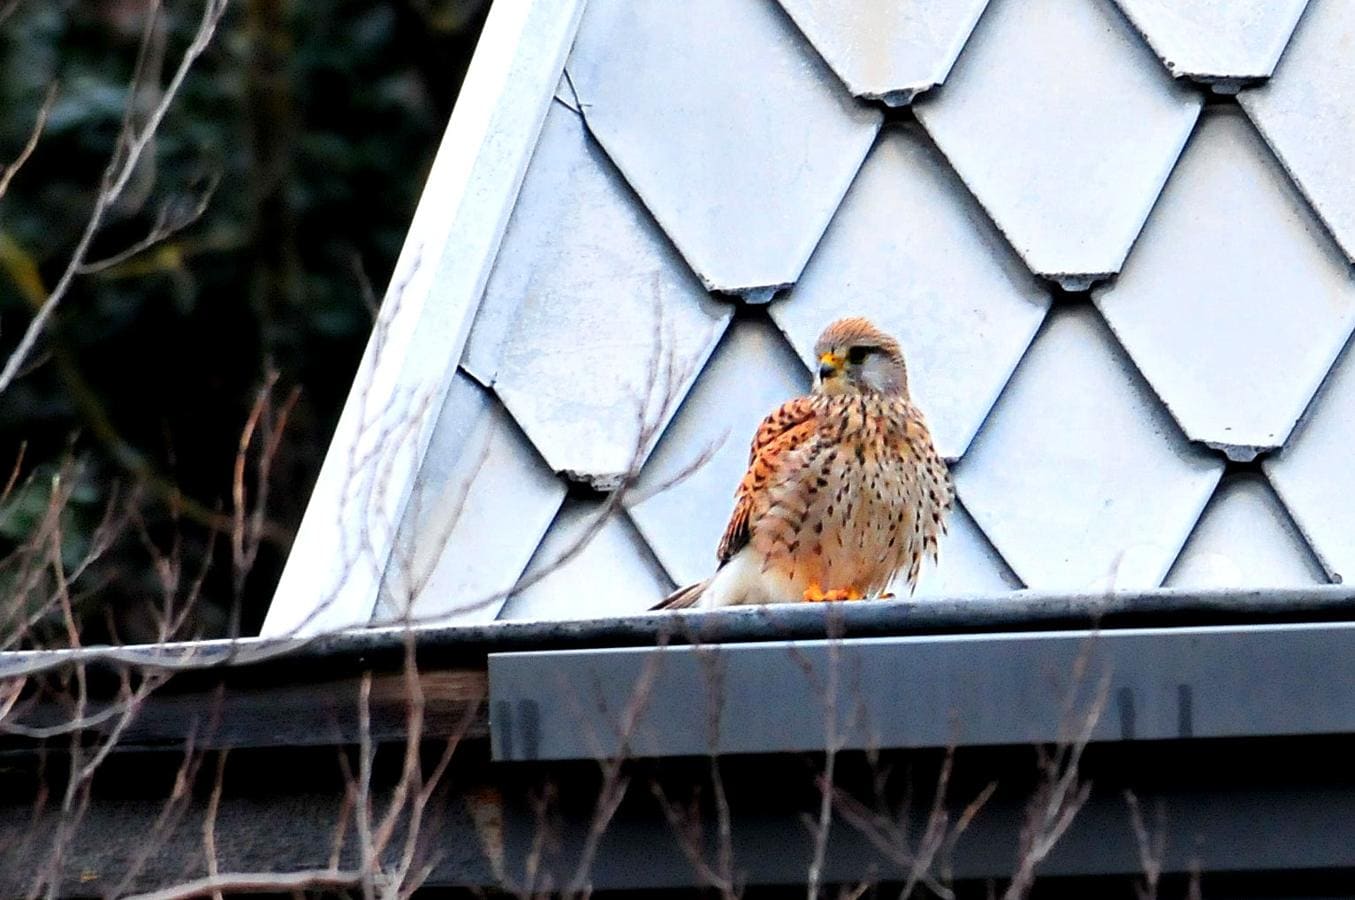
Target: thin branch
{"x": 256, "y": 883}
{"x": 164, "y": 228}
{"x": 8, "y": 172}
{"x": 410, "y": 773}
{"x": 363, "y": 805}
{"x": 209, "y": 820}
{"x": 123, "y": 162}
{"x": 1062, "y": 792}
{"x": 1151, "y": 845}
{"x": 829, "y": 692}
{"x": 14, "y": 472}
{"x": 166, "y": 821}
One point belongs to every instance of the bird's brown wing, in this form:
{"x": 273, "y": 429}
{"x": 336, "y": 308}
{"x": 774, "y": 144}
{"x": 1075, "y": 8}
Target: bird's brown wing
{"x": 790, "y": 426}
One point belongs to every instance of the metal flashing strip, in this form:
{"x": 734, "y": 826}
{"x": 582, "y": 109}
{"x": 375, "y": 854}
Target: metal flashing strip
{"x": 924, "y": 691}
{"x": 384, "y": 647}
{"x": 335, "y": 567}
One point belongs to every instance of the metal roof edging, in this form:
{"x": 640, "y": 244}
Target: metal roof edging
{"x": 377, "y": 647}
{"x": 369, "y": 471}
{"x": 924, "y": 691}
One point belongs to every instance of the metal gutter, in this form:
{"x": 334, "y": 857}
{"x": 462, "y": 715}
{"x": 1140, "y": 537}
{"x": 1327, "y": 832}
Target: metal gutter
{"x": 267, "y": 692}
{"x": 920, "y": 691}
{"x": 1006, "y": 612}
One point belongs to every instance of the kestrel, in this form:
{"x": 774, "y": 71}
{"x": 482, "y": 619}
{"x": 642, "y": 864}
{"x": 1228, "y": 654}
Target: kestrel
{"x": 844, "y": 488}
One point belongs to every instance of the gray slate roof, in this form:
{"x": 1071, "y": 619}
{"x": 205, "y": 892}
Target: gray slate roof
{"x": 1116, "y": 249}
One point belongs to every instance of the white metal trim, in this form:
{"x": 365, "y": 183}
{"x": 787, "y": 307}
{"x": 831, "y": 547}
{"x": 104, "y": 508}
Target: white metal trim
{"x": 335, "y": 567}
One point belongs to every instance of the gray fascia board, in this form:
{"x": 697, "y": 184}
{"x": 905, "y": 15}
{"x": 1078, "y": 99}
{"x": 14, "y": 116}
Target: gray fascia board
{"x": 923, "y": 691}
{"x": 334, "y": 569}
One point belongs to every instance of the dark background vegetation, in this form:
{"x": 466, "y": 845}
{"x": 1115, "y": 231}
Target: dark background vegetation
{"x": 320, "y": 117}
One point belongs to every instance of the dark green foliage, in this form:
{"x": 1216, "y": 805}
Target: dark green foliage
{"x": 318, "y": 120}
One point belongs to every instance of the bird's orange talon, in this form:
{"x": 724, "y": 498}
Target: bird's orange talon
{"x": 837, "y": 594}
{"x": 816, "y": 594}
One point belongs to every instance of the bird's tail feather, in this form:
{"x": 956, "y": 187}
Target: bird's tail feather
{"x": 684, "y": 597}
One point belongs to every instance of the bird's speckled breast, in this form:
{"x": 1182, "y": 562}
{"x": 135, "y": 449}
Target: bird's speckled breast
{"x": 864, "y": 500}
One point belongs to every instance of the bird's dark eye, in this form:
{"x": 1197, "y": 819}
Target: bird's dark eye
{"x": 857, "y": 355}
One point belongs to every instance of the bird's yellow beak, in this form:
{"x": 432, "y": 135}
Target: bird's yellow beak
{"x": 830, "y": 364}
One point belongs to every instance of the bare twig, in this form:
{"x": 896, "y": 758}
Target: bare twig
{"x": 615, "y": 782}
{"x": 169, "y": 221}
{"x": 829, "y": 691}
{"x": 247, "y": 524}
{"x": 167, "y": 820}
{"x": 369, "y": 863}
{"x": 256, "y": 883}
{"x": 384, "y": 870}
{"x": 1061, "y": 793}
{"x": 132, "y": 143}
{"x": 209, "y": 820}
{"x": 1151, "y": 845}
{"x": 8, "y": 172}
{"x": 889, "y": 830}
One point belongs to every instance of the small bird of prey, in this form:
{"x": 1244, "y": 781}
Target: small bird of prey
{"x": 844, "y": 488}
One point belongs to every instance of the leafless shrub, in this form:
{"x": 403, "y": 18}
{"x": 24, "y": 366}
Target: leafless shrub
{"x": 1061, "y": 791}
{"x": 248, "y": 519}
{"x": 387, "y": 867}
{"x": 889, "y": 827}
{"x": 44, "y": 580}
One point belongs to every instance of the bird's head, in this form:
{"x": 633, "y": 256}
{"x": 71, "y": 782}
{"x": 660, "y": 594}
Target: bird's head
{"x": 855, "y": 357}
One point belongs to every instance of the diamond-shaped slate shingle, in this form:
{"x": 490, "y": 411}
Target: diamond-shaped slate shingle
{"x": 1245, "y": 538}
{"x": 707, "y": 146}
{"x": 885, "y": 49}
{"x": 481, "y": 503}
{"x": 735, "y": 134}
{"x": 600, "y": 303}
{"x": 1222, "y": 42}
{"x": 969, "y": 565}
{"x": 1314, "y": 476}
{"x": 613, "y": 574}
{"x": 749, "y": 375}
{"x": 912, "y": 250}
{"x": 1065, "y": 127}
{"x": 1306, "y": 112}
{"x": 1237, "y": 341}
{"x": 1079, "y": 477}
